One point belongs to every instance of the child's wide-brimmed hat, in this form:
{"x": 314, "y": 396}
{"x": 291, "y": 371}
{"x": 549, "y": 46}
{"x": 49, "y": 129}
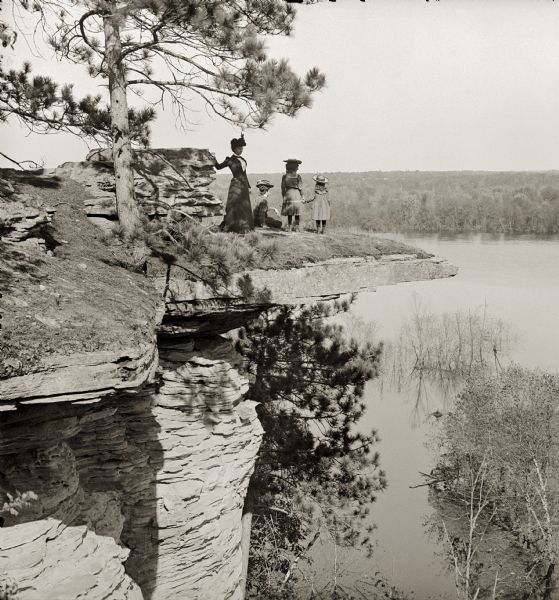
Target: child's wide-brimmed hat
{"x": 264, "y": 183}
{"x": 321, "y": 179}
{"x": 293, "y": 161}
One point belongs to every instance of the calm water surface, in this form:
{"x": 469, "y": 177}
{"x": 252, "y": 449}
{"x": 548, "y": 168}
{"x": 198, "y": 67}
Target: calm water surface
{"x": 517, "y": 280}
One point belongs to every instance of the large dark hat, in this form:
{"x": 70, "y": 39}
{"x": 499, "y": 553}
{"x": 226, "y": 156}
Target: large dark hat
{"x": 236, "y": 142}
{"x": 294, "y": 161}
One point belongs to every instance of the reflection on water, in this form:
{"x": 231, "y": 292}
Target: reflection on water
{"x": 440, "y": 350}
{"x": 514, "y": 280}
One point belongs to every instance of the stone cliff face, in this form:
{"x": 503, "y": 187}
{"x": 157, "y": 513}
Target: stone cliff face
{"x": 126, "y": 437}
{"x": 165, "y": 180}
{"x": 137, "y": 453}
{"x": 161, "y": 469}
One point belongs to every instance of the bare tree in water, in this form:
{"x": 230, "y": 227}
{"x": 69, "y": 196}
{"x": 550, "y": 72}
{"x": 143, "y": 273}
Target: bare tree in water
{"x": 498, "y": 458}
{"x": 442, "y": 350}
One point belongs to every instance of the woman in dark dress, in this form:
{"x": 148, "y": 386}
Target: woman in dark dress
{"x": 238, "y": 211}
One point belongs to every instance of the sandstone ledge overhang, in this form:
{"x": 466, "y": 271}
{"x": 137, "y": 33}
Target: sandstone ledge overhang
{"x": 82, "y": 376}
{"x": 341, "y": 276}
{"x": 193, "y": 308}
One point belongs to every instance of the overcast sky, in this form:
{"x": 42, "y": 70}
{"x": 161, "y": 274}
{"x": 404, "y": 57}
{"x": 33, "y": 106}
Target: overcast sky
{"x": 439, "y": 85}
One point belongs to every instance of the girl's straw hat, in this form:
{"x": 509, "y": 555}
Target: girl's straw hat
{"x": 264, "y": 183}
{"x": 321, "y": 179}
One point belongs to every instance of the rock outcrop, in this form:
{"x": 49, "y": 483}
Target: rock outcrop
{"x": 49, "y": 559}
{"x": 165, "y": 180}
{"x": 120, "y": 456}
{"x": 194, "y": 308}
{"x": 20, "y": 218}
{"x": 162, "y": 471}
{"x": 126, "y": 438}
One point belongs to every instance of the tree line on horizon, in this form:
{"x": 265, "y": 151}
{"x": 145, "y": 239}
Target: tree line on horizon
{"x": 435, "y": 202}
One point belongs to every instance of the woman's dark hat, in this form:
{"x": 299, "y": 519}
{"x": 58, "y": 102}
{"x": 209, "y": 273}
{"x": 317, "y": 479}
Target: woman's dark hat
{"x": 236, "y": 142}
{"x": 264, "y": 183}
{"x": 294, "y": 161}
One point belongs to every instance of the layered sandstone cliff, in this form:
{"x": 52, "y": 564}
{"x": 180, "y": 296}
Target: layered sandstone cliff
{"x": 126, "y": 437}
{"x": 137, "y": 457}
{"x": 165, "y": 179}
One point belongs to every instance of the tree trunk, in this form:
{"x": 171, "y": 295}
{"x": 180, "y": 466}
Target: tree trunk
{"x": 246, "y": 525}
{"x": 127, "y": 209}
{"x": 549, "y": 586}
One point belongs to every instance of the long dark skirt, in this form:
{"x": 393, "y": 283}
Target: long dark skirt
{"x": 238, "y": 212}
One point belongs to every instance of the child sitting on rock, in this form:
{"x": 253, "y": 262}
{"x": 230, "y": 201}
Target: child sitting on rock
{"x": 262, "y": 216}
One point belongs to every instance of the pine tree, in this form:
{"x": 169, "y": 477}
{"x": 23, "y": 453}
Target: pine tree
{"x": 208, "y": 49}
{"x": 314, "y": 470}
{"x": 44, "y": 106}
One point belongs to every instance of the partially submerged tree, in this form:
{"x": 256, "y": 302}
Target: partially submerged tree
{"x": 184, "y": 49}
{"x": 499, "y": 459}
{"x": 315, "y": 472}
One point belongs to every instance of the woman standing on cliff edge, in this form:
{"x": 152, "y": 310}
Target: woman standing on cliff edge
{"x": 238, "y": 212}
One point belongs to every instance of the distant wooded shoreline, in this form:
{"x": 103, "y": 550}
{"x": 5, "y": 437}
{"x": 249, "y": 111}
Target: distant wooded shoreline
{"x": 435, "y": 202}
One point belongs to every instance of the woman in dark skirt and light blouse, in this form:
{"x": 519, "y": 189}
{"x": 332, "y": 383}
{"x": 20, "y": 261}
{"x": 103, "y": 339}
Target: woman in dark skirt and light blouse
{"x": 292, "y": 192}
{"x": 238, "y": 211}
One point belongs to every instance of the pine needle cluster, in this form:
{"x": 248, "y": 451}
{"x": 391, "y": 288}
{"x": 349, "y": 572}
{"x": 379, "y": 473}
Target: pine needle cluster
{"x": 181, "y": 50}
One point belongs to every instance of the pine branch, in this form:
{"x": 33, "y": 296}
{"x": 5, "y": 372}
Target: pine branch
{"x": 20, "y": 164}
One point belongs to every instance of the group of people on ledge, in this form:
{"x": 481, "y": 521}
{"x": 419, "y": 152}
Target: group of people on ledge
{"x": 240, "y": 217}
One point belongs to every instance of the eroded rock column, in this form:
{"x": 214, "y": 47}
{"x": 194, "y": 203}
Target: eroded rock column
{"x": 135, "y": 490}
{"x": 209, "y": 437}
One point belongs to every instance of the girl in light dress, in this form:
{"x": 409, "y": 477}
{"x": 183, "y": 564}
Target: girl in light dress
{"x": 321, "y": 208}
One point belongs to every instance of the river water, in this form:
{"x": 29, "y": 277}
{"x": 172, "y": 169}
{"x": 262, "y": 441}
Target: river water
{"x": 514, "y": 279}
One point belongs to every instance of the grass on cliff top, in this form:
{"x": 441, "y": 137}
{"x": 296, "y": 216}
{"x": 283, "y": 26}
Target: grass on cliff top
{"x": 215, "y": 256}
{"x": 81, "y": 298}
{"x": 84, "y": 294}
{"x": 296, "y": 249}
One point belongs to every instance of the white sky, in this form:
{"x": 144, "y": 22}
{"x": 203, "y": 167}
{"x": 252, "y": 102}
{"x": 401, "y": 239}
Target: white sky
{"x": 439, "y": 85}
